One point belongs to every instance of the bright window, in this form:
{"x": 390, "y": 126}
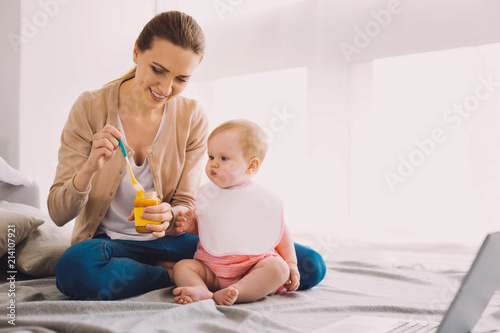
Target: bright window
{"x": 426, "y": 145}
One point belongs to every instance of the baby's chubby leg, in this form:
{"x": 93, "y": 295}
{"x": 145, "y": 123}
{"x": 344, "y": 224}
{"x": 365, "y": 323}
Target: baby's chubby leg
{"x": 261, "y": 280}
{"x": 193, "y": 279}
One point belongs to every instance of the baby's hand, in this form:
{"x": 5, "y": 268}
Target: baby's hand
{"x": 186, "y": 222}
{"x": 180, "y": 222}
{"x": 294, "y": 280}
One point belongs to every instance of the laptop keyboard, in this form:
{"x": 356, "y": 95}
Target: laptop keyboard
{"x": 408, "y": 327}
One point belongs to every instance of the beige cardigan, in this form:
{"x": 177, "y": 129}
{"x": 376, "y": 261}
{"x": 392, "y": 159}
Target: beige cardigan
{"x": 176, "y": 160}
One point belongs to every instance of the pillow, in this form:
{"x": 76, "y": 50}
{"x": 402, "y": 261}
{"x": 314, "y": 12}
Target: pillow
{"x": 37, "y": 255}
{"x": 18, "y": 226}
{"x": 28, "y": 195}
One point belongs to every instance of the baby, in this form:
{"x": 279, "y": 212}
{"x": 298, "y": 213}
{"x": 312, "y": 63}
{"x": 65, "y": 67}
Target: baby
{"x": 245, "y": 251}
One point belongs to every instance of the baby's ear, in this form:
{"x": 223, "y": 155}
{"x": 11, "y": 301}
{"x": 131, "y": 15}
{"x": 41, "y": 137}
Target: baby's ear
{"x": 253, "y": 166}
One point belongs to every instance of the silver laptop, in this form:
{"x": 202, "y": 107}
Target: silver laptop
{"x": 474, "y": 294}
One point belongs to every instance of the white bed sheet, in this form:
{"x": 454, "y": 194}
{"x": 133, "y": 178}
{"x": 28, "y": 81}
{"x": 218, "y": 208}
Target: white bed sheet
{"x": 362, "y": 279}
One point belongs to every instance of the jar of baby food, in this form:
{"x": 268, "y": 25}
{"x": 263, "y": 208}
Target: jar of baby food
{"x": 144, "y": 199}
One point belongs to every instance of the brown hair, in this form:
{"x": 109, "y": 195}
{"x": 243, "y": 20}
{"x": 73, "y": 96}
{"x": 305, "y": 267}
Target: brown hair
{"x": 176, "y": 27}
{"x": 253, "y": 140}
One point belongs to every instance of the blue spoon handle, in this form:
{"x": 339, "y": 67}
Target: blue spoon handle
{"x": 122, "y": 147}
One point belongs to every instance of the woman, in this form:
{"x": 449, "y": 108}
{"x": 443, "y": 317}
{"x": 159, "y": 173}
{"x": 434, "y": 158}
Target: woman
{"x": 165, "y": 136}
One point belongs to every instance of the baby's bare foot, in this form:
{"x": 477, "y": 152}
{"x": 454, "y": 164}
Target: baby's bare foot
{"x": 226, "y": 296}
{"x": 186, "y": 295}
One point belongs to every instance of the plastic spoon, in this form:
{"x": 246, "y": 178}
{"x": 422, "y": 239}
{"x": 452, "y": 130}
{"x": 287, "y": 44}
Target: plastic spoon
{"x": 136, "y": 184}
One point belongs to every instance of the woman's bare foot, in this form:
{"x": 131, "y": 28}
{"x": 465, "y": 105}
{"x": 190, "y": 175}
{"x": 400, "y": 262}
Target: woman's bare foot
{"x": 186, "y": 295}
{"x": 226, "y": 296}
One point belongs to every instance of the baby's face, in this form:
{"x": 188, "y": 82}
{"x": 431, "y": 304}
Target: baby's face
{"x": 226, "y": 165}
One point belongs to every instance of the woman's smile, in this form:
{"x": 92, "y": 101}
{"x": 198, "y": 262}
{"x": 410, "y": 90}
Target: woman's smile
{"x": 157, "y": 97}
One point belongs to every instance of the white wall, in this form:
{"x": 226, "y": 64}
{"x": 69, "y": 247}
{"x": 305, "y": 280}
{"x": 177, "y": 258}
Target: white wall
{"x": 81, "y": 46}
{"x": 84, "y": 44}
{"x": 343, "y": 188}
{"x": 9, "y": 81}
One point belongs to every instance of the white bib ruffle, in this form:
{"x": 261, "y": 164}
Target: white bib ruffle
{"x": 247, "y": 219}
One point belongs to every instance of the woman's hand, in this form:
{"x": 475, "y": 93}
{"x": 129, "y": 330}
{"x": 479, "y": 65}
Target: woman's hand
{"x": 104, "y": 144}
{"x": 159, "y": 213}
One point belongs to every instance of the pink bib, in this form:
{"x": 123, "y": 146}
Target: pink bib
{"x": 246, "y": 219}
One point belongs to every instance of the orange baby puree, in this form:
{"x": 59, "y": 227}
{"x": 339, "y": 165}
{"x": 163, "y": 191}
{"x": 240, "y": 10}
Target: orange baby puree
{"x": 144, "y": 199}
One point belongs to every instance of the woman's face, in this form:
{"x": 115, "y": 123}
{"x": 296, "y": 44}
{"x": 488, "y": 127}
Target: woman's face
{"x": 163, "y": 71}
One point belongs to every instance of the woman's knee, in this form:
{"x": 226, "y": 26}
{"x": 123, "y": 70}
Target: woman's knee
{"x": 75, "y": 272}
{"x": 311, "y": 265}
{"x": 67, "y": 272}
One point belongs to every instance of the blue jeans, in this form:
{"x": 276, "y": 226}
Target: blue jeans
{"x": 103, "y": 268}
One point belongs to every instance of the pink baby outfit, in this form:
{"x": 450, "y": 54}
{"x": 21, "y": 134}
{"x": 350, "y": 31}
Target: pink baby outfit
{"x": 238, "y": 227}
{"x": 231, "y": 268}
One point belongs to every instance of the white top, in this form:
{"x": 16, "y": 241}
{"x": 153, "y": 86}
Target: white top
{"x": 245, "y": 219}
{"x": 115, "y": 223}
